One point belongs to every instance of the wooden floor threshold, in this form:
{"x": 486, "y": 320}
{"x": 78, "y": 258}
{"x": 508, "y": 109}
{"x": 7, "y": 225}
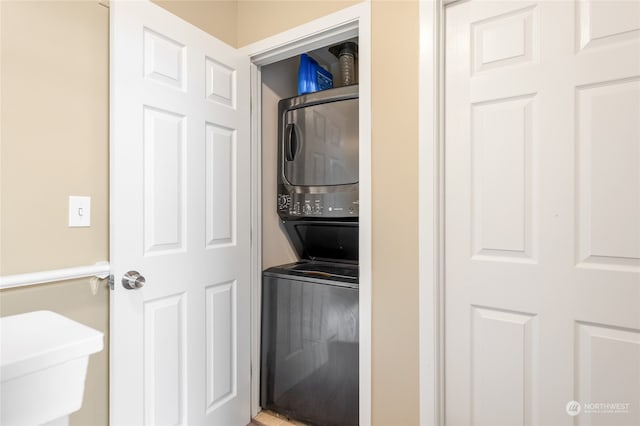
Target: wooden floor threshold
{"x": 269, "y": 418}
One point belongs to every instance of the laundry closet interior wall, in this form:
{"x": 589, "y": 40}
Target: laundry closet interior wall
{"x": 278, "y": 82}
{"x": 55, "y": 144}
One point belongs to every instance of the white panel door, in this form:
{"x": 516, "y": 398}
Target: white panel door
{"x": 180, "y": 345}
{"x": 542, "y": 212}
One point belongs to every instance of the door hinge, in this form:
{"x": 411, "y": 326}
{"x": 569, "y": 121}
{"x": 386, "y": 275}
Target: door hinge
{"x": 112, "y": 284}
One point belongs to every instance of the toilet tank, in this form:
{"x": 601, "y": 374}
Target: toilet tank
{"x": 43, "y": 364}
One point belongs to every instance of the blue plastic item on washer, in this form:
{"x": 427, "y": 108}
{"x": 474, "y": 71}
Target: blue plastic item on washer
{"x": 312, "y": 77}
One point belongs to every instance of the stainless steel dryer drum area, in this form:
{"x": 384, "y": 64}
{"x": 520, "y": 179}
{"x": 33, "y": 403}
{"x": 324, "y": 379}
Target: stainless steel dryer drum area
{"x": 318, "y": 148}
{"x": 310, "y": 342}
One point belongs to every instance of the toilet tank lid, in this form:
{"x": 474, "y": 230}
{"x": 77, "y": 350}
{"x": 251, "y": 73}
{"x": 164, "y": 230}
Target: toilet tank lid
{"x": 40, "y": 339}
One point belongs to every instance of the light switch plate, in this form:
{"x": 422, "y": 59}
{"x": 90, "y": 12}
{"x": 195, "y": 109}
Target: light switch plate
{"x": 79, "y": 211}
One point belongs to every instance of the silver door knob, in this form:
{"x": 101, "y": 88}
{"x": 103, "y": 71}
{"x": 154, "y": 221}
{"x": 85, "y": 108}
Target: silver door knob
{"x": 133, "y": 280}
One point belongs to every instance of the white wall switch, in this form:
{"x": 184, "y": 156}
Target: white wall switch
{"x": 79, "y": 211}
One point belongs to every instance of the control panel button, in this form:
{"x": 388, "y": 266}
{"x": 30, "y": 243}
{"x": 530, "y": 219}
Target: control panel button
{"x": 307, "y": 209}
{"x": 284, "y": 201}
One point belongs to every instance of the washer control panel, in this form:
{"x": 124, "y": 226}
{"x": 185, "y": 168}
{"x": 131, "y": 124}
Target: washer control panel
{"x": 339, "y": 204}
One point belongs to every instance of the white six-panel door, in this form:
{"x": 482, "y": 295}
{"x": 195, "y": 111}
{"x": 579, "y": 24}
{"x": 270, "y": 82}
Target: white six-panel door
{"x": 542, "y": 183}
{"x": 180, "y": 345}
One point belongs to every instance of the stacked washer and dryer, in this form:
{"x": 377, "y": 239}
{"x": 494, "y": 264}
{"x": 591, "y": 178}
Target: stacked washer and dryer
{"x": 309, "y": 366}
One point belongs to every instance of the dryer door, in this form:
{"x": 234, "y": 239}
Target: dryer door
{"x": 320, "y": 144}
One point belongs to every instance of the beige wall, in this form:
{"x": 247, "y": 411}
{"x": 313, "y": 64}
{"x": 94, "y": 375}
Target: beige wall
{"x": 395, "y": 213}
{"x": 258, "y": 19}
{"x": 54, "y": 144}
{"x": 217, "y": 17}
{"x": 54, "y": 133}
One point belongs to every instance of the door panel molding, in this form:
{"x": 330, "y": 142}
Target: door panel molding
{"x": 431, "y": 204}
{"x": 552, "y": 144}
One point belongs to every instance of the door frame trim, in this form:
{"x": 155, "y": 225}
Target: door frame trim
{"x": 431, "y": 212}
{"x": 346, "y": 23}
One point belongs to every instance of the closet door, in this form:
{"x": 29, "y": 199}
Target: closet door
{"x": 542, "y": 260}
{"x": 180, "y": 203}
